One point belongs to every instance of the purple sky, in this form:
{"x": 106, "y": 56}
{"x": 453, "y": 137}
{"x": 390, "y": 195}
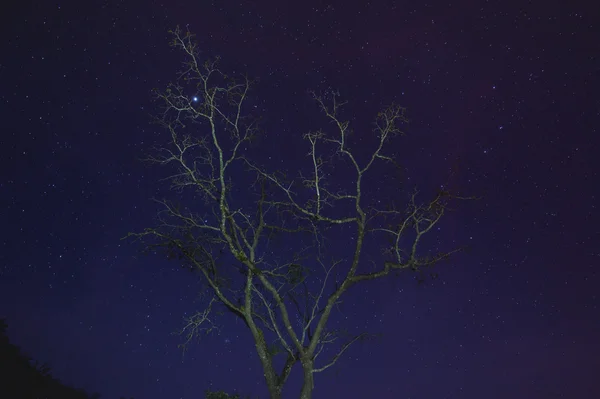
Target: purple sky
{"x": 503, "y": 93}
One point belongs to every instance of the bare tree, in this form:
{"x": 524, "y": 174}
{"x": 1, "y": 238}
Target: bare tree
{"x": 284, "y": 296}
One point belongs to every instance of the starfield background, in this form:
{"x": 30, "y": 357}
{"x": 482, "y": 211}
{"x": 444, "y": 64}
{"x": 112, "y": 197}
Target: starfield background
{"x": 503, "y": 100}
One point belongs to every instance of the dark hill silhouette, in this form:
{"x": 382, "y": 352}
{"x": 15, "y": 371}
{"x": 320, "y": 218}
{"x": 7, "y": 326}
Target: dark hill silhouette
{"x": 23, "y": 378}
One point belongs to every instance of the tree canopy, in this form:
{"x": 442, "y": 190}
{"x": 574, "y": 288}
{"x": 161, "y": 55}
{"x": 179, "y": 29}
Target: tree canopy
{"x": 227, "y": 228}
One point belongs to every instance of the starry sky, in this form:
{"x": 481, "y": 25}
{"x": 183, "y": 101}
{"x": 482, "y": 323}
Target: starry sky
{"x": 501, "y": 96}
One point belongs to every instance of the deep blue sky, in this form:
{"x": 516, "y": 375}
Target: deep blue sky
{"x": 503, "y": 93}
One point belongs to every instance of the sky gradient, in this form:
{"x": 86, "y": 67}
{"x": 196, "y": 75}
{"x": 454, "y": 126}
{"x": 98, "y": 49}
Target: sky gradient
{"x": 502, "y": 96}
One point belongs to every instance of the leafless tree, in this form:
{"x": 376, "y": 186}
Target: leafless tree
{"x": 284, "y": 297}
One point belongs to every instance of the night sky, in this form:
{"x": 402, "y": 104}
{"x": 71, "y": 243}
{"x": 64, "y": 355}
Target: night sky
{"x": 502, "y": 98}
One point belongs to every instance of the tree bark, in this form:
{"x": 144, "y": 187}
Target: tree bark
{"x": 309, "y": 382}
{"x": 267, "y": 364}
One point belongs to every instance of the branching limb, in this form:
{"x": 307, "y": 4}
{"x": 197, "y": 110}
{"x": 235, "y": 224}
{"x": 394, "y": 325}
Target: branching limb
{"x": 200, "y": 259}
{"x": 274, "y": 325}
{"x": 341, "y": 352}
{"x": 198, "y": 323}
{"x": 316, "y": 311}
{"x": 290, "y": 361}
{"x": 304, "y": 211}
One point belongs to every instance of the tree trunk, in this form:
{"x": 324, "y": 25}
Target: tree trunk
{"x": 309, "y": 382}
{"x": 265, "y": 359}
{"x": 275, "y": 393}
{"x": 268, "y": 371}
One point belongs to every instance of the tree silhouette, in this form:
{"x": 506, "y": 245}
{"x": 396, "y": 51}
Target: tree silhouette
{"x": 285, "y": 297}
{"x": 222, "y": 395}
